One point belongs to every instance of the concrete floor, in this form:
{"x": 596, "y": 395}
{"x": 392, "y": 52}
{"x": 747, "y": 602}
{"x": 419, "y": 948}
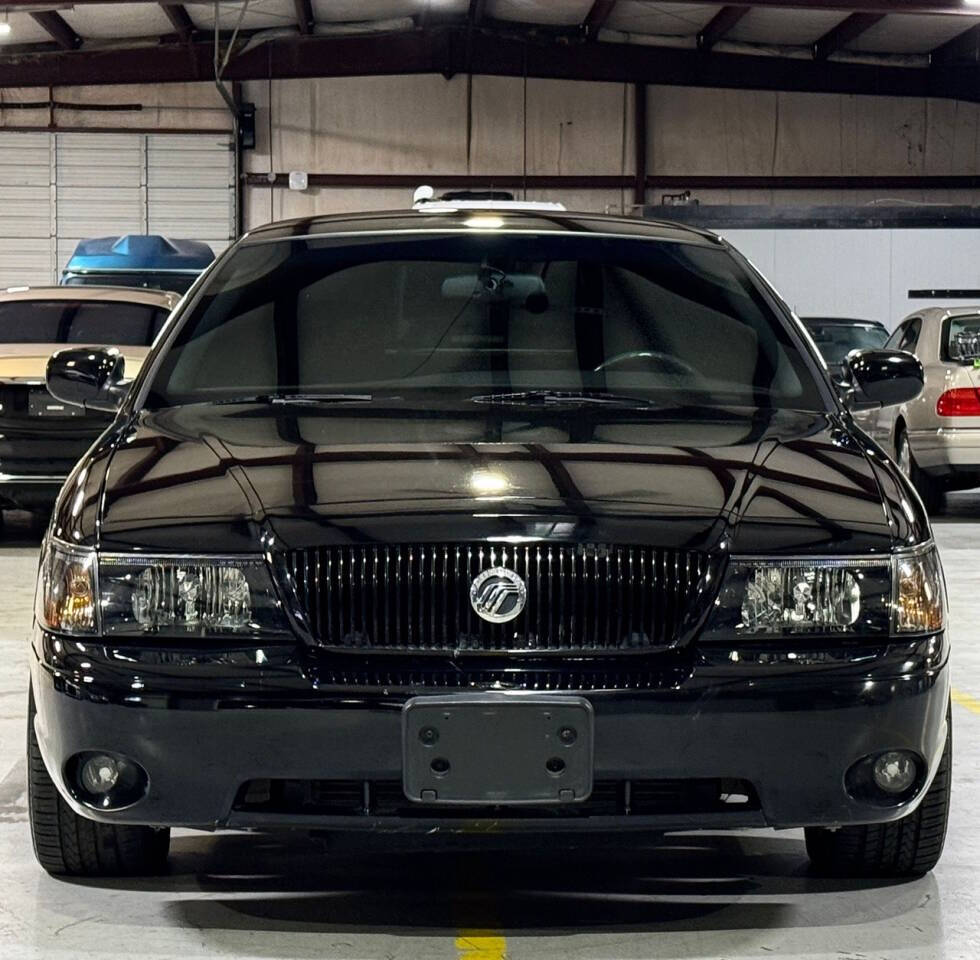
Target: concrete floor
{"x": 704, "y": 895}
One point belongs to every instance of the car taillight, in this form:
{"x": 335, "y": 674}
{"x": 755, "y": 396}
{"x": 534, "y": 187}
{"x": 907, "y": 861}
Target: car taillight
{"x": 961, "y": 402}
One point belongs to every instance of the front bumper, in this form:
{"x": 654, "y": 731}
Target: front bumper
{"x": 203, "y": 727}
{"x": 29, "y": 492}
{"x": 38, "y": 454}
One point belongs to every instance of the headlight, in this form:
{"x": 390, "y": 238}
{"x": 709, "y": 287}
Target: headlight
{"x": 66, "y": 589}
{"x": 902, "y": 594}
{"x": 157, "y": 595}
{"x": 920, "y": 594}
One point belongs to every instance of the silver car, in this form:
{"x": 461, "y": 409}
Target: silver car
{"x": 936, "y": 436}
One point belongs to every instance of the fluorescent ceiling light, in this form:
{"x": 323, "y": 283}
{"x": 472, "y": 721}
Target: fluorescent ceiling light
{"x": 484, "y": 223}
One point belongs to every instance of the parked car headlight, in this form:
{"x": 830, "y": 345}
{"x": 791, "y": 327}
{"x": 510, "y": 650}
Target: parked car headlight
{"x": 66, "y": 589}
{"x": 139, "y": 595}
{"x": 920, "y": 593}
{"x": 902, "y": 594}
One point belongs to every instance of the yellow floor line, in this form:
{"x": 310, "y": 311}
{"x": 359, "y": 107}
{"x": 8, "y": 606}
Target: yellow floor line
{"x": 481, "y": 945}
{"x": 965, "y": 700}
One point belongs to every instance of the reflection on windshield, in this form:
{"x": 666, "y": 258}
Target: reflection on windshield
{"x": 487, "y": 314}
{"x": 836, "y": 341}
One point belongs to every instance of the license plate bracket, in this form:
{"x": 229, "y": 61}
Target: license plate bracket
{"x": 40, "y": 403}
{"x": 485, "y": 749}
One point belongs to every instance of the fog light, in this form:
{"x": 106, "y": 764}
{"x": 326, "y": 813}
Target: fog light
{"x": 895, "y": 771}
{"x": 100, "y": 774}
{"x": 106, "y": 781}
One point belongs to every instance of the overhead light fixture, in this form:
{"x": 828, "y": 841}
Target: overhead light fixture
{"x": 5, "y": 25}
{"x": 484, "y": 223}
{"x": 488, "y": 482}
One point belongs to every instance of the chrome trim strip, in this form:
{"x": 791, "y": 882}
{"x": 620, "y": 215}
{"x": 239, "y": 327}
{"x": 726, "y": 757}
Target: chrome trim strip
{"x": 88, "y": 271}
{"x": 32, "y": 478}
{"x": 882, "y": 560}
{"x": 815, "y": 558}
{"x": 141, "y": 559}
{"x": 696, "y": 239}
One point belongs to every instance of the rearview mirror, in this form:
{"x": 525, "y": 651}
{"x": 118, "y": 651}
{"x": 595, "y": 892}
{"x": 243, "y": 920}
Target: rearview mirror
{"x": 89, "y": 377}
{"x": 494, "y": 286}
{"x": 881, "y": 378}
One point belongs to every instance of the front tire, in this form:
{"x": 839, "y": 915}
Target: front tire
{"x": 928, "y": 488}
{"x": 66, "y": 844}
{"x": 908, "y": 847}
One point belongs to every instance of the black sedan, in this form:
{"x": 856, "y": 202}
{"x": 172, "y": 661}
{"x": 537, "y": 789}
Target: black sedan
{"x": 482, "y": 520}
{"x": 836, "y": 337}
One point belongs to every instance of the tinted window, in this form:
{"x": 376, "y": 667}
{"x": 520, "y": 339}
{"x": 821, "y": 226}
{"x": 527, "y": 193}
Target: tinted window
{"x": 896, "y": 336}
{"x": 837, "y": 340}
{"x": 488, "y": 312}
{"x": 911, "y": 335}
{"x": 82, "y": 322}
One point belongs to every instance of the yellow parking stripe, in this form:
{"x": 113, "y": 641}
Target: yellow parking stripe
{"x": 481, "y": 945}
{"x": 965, "y": 700}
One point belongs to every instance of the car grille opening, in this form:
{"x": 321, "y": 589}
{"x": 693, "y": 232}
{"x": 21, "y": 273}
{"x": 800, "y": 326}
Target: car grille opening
{"x": 669, "y": 672}
{"x": 385, "y": 798}
{"x": 590, "y": 599}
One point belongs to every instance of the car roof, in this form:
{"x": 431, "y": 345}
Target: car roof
{"x": 153, "y": 298}
{"x": 139, "y": 252}
{"x": 450, "y": 219}
{"x": 941, "y": 313}
{"x": 843, "y": 322}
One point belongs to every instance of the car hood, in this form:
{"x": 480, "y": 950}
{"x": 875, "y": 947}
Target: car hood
{"x": 243, "y": 476}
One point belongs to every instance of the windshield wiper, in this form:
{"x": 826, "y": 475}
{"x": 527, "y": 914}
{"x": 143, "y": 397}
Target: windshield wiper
{"x": 559, "y": 397}
{"x": 303, "y": 399}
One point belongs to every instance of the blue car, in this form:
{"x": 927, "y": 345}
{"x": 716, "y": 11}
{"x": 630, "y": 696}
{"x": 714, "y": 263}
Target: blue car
{"x": 135, "y": 260}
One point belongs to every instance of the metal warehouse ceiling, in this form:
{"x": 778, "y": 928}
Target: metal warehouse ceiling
{"x": 901, "y": 46}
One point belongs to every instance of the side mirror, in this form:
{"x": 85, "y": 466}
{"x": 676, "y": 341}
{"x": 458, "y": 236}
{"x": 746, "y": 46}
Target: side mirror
{"x": 881, "y": 378}
{"x": 89, "y": 377}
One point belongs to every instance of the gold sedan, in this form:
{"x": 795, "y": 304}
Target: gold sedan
{"x": 936, "y": 436}
{"x": 40, "y": 437}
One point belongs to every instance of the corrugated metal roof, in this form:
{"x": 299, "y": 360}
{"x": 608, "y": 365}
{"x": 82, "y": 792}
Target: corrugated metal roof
{"x": 911, "y": 33}
{"x": 667, "y": 19}
{"x": 791, "y": 28}
{"x": 643, "y": 20}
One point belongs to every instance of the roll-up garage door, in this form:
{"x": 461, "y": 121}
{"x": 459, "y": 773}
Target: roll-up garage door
{"x": 191, "y": 187}
{"x": 27, "y": 248}
{"x": 60, "y": 188}
{"x": 99, "y": 187}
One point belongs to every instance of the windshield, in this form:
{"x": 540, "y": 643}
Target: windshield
{"x": 97, "y": 322}
{"x": 487, "y": 314}
{"x": 837, "y": 340}
{"x": 143, "y": 280}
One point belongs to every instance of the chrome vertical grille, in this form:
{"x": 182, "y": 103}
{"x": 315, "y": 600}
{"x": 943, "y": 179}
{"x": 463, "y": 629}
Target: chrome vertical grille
{"x": 591, "y": 598}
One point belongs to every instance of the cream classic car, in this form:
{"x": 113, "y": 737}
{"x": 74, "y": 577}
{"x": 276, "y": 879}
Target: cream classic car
{"x": 40, "y": 437}
{"x": 936, "y": 436}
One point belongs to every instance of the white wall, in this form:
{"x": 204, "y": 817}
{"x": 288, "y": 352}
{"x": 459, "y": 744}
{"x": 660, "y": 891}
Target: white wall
{"x": 417, "y": 125}
{"x": 423, "y": 125}
{"x": 191, "y": 106}
{"x": 862, "y": 273}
